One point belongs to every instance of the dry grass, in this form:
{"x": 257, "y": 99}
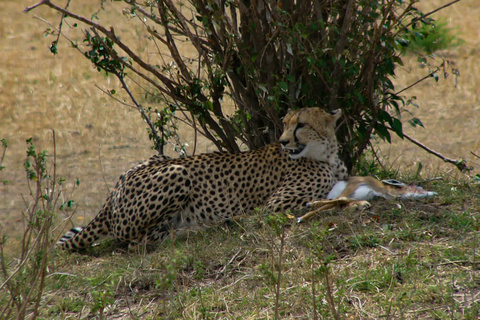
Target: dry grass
{"x": 450, "y": 113}
{"x": 413, "y": 261}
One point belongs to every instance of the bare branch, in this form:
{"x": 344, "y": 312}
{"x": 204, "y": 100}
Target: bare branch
{"x": 28, "y": 9}
{"x": 459, "y": 163}
{"x": 340, "y": 47}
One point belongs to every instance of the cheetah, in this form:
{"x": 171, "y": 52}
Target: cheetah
{"x": 164, "y": 195}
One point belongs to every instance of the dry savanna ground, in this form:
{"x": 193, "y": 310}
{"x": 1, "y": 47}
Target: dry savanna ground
{"x": 396, "y": 260}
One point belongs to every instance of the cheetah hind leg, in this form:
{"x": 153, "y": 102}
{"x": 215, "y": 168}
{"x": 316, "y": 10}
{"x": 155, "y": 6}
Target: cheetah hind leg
{"x": 175, "y": 228}
{"x": 158, "y": 231}
{"x": 168, "y": 215}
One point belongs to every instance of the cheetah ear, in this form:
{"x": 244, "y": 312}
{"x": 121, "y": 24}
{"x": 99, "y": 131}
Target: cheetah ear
{"x": 286, "y": 114}
{"x": 337, "y": 114}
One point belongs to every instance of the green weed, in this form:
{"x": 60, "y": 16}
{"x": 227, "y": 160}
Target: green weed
{"x": 428, "y": 36}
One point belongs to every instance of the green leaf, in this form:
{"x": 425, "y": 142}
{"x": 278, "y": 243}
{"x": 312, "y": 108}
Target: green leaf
{"x": 397, "y": 127}
{"x": 397, "y": 60}
{"x": 402, "y": 42}
{"x": 283, "y": 86}
{"x": 67, "y": 204}
{"x": 289, "y": 49}
{"x": 418, "y": 35}
{"x": 208, "y": 105}
{"x": 383, "y": 133}
{"x": 422, "y": 59}
{"x": 416, "y": 122}
{"x": 395, "y": 105}
{"x": 384, "y": 116}
{"x": 53, "y": 47}
{"x": 290, "y": 78}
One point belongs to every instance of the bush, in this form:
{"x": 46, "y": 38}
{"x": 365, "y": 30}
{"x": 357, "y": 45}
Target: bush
{"x": 267, "y": 56}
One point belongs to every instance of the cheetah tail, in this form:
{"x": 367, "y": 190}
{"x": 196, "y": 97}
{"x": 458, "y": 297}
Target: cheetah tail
{"x": 69, "y": 235}
{"x": 80, "y": 238}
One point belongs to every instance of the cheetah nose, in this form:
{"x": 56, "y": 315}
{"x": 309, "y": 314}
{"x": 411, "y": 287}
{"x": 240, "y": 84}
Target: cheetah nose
{"x": 283, "y": 142}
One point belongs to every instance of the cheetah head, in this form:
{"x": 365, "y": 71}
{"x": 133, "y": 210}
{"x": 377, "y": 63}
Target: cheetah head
{"x": 310, "y": 133}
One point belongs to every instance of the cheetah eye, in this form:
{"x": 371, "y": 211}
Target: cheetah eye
{"x": 301, "y": 125}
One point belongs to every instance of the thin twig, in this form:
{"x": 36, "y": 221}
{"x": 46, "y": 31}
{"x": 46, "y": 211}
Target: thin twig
{"x": 157, "y": 141}
{"x": 314, "y": 293}
{"x": 102, "y": 168}
{"x": 474, "y": 154}
{"x": 459, "y": 163}
{"x": 60, "y": 25}
{"x": 195, "y": 128}
{"x": 279, "y": 277}
{"x": 115, "y": 98}
{"x": 195, "y": 135}
{"x": 329, "y": 296}
{"x": 418, "y": 81}
{"x": 377, "y": 157}
{"x": 169, "y": 83}
{"x": 25, "y": 258}
{"x": 28, "y": 9}
{"x": 428, "y": 180}
{"x": 52, "y": 192}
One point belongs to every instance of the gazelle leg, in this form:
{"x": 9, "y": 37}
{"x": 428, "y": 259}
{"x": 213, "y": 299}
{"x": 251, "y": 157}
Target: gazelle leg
{"x": 341, "y": 202}
{"x": 330, "y": 205}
